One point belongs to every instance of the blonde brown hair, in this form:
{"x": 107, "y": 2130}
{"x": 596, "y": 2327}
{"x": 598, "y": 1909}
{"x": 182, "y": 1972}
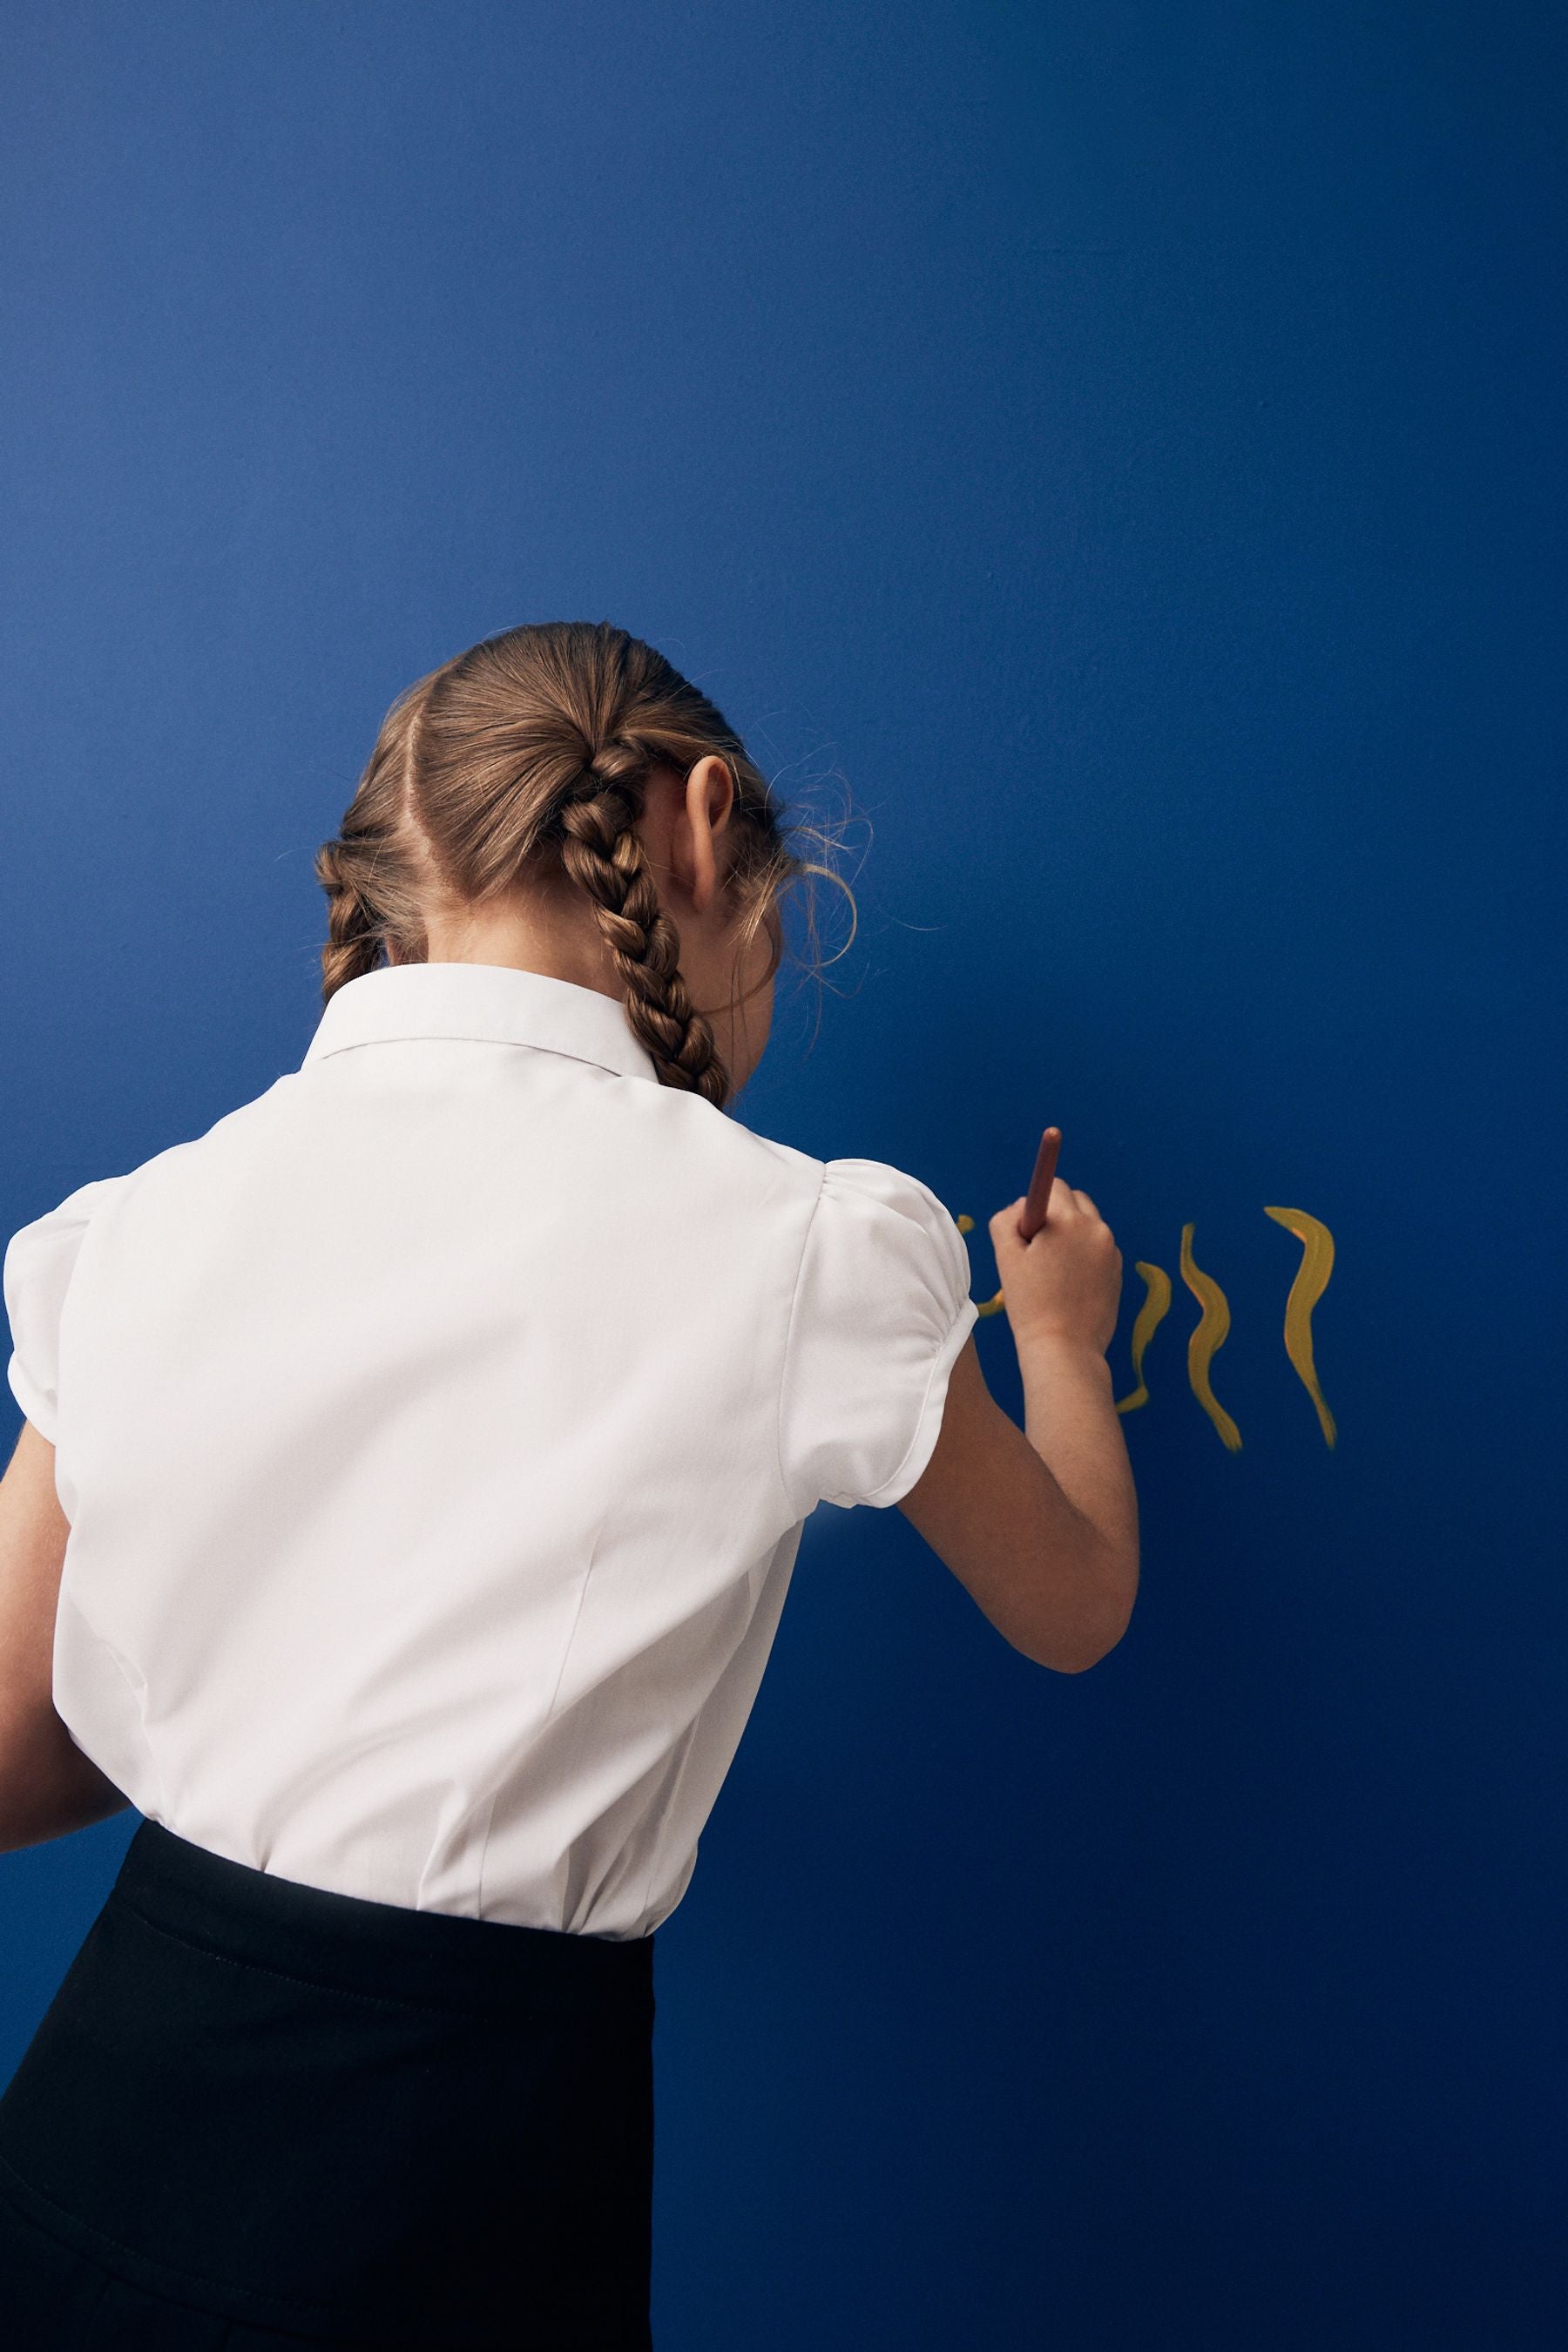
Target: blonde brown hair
{"x": 538, "y": 744}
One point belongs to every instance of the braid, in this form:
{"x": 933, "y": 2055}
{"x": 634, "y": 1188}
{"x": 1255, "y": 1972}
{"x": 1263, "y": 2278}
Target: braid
{"x": 354, "y": 928}
{"x": 532, "y": 756}
{"x": 602, "y": 851}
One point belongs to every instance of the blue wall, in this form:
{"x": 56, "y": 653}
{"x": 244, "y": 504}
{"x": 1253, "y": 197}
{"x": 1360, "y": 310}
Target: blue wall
{"x": 1123, "y": 448}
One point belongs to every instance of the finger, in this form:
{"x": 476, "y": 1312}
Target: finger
{"x": 1060, "y": 1206}
{"x": 1004, "y": 1228}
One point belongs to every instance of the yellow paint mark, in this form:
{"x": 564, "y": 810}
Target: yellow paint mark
{"x": 1311, "y": 1281}
{"x": 1206, "y": 1340}
{"x": 1151, "y": 1315}
{"x": 966, "y": 1224}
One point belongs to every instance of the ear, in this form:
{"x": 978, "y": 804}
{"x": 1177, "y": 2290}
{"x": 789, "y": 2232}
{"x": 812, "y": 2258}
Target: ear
{"x": 709, "y": 798}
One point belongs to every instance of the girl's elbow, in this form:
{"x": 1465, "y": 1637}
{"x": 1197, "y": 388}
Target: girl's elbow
{"x": 1073, "y": 1648}
{"x": 48, "y": 1787}
{"x": 1067, "y": 1653}
{"x": 1076, "y": 1658}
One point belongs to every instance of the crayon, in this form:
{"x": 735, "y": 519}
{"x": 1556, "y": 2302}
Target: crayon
{"x": 1039, "y": 1192}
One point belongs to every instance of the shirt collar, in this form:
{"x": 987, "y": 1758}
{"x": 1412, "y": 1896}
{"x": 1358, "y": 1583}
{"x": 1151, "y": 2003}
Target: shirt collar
{"x": 496, "y": 1003}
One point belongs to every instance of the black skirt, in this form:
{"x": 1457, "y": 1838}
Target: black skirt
{"x": 258, "y": 2112}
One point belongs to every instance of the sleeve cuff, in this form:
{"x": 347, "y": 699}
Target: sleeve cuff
{"x": 923, "y": 1445}
{"x": 37, "y": 1407}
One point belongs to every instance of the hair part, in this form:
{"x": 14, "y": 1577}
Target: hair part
{"x": 535, "y": 748}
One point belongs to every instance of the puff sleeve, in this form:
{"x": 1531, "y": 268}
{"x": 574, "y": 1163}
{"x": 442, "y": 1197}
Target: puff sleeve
{"x": 38, "y": 1264}
{"x": 882, "y": 1308}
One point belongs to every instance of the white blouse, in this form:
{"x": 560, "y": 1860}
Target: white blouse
{"x": 435, "y": 1434}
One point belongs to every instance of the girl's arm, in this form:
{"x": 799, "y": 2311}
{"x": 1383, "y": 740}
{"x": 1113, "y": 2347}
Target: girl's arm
{"x": 1041, "y": 1530}
{"x": 1040, "y": 1524}
{"x": 47, "y": 1787}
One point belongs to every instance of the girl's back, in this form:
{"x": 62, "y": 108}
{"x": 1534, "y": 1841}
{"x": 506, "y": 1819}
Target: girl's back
{"x": 436, "y": 1432}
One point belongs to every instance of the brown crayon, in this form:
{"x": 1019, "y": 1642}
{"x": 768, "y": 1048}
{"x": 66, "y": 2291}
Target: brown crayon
{"x": 1038, "y": 1198}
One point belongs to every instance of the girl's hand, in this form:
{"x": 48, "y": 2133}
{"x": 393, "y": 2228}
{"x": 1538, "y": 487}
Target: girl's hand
{"x": 1064, "y": 1285}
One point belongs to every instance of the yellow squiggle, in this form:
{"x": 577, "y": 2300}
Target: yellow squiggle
{"x": 1206, "y": 1340}
{"x": 1151, "y": 1315}
{"x": 966, "y": 1224}
{"x": 1311, "y": 1281}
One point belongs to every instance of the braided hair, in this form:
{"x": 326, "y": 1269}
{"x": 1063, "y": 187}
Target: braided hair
{"x": 535, "y": 747}
{"x": 603, "y": 853}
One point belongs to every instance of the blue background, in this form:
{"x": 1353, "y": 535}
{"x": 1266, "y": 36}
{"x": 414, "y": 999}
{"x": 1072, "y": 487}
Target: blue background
{"x": 1114, "y": 455}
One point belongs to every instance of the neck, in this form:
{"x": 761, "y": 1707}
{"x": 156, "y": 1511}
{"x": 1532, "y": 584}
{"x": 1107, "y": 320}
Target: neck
{"x": 532, "y": 931}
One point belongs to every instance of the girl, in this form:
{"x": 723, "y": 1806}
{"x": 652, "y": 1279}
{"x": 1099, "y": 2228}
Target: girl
{"x": 413, "y": 1469}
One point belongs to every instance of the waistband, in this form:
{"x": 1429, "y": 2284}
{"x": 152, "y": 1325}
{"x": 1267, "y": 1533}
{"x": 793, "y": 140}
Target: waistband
{"x": 432, "y": 1960}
